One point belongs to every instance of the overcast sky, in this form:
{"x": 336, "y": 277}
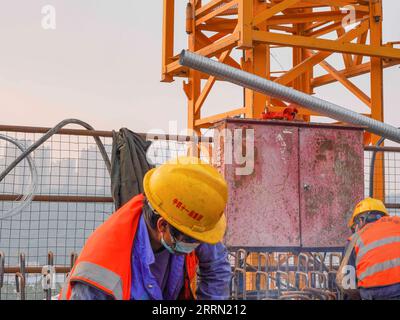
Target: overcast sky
{"x": 102, "y": 65}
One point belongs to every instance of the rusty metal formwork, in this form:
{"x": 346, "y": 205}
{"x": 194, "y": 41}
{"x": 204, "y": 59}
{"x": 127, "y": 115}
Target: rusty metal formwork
{"x": 53, "y": 229}
{"x": 284, "y": 275}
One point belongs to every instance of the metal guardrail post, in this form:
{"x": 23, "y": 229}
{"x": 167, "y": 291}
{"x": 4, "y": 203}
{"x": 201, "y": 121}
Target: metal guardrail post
{"x": 2, "y": 270}
{"x": 50, "y": 262}
{"x": 20, "y": 285}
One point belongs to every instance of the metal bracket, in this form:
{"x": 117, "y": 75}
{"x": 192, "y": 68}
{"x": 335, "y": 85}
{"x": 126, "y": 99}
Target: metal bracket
{"x": 48, "y": 277}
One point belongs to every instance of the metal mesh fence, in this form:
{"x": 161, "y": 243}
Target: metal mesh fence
{"x": 387, "y": 161}
{"x": 66, "y": 166}
{"x": 74, "y": 198}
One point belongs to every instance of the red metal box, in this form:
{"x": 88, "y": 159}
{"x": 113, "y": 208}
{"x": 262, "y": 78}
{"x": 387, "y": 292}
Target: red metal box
{"x": 294, "y": 186}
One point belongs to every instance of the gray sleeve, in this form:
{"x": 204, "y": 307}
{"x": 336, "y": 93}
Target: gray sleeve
{"x": 352, "y": 258}
{"x": 82, "y": 291}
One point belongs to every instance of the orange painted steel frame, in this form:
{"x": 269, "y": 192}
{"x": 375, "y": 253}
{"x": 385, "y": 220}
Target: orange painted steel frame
{"x": 314, "y": 31}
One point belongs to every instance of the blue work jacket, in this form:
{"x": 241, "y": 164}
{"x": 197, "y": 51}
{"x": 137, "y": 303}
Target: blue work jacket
{"x": 214, "y": 274}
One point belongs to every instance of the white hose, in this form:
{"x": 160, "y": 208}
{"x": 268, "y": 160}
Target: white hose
{"x": 32, "y": 188}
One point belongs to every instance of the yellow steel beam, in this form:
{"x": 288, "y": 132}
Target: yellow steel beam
{"x": 219, "y": 24}
{"x": 249, "y": 27}
{"x": 208, "y": 7}
{"x": 282, "y": 28}
{"x": 295, "y": 18}
{"x": 205, "y": 92}
{"x": 326, "y": 30}
{"x": 325, "y": 3}
{"x": 230, "y": 12}
{"x": 214, "y": 118}
{"x": 361, "y": 40}
{"x": 209, "y": 51}
{"x": 326, "y": 45}
{"x": 278, "y": 103}
{"x": 217, "y": 36}
{"x": 346, "y": 83}
{"x": 354, "y": 71}
{"x": 245, "y": 16}
{"x": 376, "y": 62}
{"x": 377, "y": 92}
{"x": 167, "y": 38}
{"x": 305, "y": 79}
{"x": 347, "y": 58}
{"x": 216, "y": 12}
{"x": 270, "y": 12}
{"x": 205, "y": 41}
{"x": 226, "y": 43}
{"x": 315, "y": 25}
{"x": 318, "y": 57}
{"x": 338, "y": 3}
{"x": 256, "y": 61}
{"x": 193, "y": 86}
{"x": 210, "y": 83}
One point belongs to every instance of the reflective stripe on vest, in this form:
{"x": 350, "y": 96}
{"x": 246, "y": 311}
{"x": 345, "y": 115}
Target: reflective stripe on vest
{"x": 359, "y": 242}
{"x": 105, "y": 260}
{"x": 376, "y": 244}
{"x": 378, "y": 254}
{"x": 64, "y": 290}
{"x": 379, "y": 267}
{"x": 103, "y": 278}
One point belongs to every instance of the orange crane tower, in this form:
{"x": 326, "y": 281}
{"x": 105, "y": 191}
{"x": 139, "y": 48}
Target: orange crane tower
{"x": 313, "y": 30}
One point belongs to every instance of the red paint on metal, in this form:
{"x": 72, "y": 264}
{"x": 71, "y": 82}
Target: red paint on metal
{"x": 331, "y": 165}
{"x": 288, "y": 114}
{"x": 306, "y": 180}
{"x": 259, "y": 213}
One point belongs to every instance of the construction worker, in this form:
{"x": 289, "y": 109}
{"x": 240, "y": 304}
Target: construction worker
{"x": 154, "y": 246}
{"x": 373, "y": 251}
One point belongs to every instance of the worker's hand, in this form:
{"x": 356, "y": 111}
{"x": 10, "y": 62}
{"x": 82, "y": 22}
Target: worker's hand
{"x": 351, "y": 294}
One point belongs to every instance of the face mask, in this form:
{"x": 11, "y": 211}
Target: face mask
{"x": 166, "y": 246}
{"x": 179, "y": 247}
{"x": 183, "y": 247}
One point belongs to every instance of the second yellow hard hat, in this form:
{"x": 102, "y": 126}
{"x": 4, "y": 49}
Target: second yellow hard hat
{"x": 366, "y": 205}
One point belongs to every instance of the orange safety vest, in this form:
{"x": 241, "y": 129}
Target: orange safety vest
{"x": 377, "y": 251}
{"x": 105, "y": 261}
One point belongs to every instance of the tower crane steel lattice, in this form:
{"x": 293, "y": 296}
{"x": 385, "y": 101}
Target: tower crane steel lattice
{"x": 313, "y": 31}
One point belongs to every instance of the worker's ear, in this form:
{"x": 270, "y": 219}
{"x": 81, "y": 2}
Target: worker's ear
{"x": 162, "y": 225}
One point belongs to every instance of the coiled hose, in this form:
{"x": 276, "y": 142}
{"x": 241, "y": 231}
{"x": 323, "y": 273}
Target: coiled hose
{"x": 32, "y": 188}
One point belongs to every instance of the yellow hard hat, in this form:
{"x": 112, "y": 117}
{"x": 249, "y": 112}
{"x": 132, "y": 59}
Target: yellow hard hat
{"x": 366, "y": 205}
{"x": 191, "y": 195}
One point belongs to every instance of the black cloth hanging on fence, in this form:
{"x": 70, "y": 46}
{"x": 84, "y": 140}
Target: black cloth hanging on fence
{"x": 128, "y": 165}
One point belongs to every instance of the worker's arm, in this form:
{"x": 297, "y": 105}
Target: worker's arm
{"x": 215, "y": 273}
{"x": 352, "y": 258}
{"x": 350, "y": 293}
{"x": 81, "y": 291}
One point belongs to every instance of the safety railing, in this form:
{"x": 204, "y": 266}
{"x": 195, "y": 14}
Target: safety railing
{"x": 386, "y": 162}
{"x": 73, "y": 197}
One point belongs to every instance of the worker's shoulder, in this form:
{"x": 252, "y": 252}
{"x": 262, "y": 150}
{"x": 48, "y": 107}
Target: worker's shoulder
{"x": 388, "y": 219}
{"x": 394, "y": 219}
